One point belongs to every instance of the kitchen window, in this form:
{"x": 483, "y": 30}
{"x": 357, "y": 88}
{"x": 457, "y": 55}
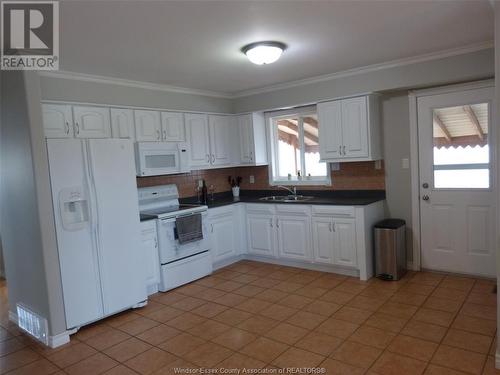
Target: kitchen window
{"x": 295, "y": 148}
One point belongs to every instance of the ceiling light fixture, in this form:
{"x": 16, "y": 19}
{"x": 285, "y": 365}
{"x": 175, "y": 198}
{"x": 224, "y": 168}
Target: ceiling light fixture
{"x": 261, "y": 53}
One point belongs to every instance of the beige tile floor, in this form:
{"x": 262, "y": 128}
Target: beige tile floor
{"x": 257, "y": 315}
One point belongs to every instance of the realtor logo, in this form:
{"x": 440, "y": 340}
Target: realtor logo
{"x": 30, "y": 35}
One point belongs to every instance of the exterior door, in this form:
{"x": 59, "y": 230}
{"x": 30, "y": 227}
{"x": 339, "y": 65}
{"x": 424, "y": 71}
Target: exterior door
{"x": 457, "y": 209}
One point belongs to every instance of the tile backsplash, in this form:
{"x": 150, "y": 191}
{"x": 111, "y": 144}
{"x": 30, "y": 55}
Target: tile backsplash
{"x": 350, "y": 176}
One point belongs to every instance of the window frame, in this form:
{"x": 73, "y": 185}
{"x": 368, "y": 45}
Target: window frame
{"x": 274, "y": 178}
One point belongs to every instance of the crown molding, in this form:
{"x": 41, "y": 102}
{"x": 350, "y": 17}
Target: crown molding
{"x": 369, "y": 68}
{"x": 131, "y": 83}
{"x": 280, "y": 86}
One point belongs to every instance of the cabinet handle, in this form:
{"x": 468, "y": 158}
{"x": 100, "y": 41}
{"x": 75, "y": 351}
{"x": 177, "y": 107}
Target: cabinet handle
{"x": 271, "y": 222}
{"x": 333, "y": 227}
{"x": 67, "y": 127}
{"x": 164, "y": 135}
{"x": 343, "y": 149}
{"x": 340, "y": 150}
{"x": 77, "y": 128}
{"x": 213, "y": 158}
{"x": 277, "y": 223}
{"x": 156, "y": 243}
{"x": 330, "y": 227}
{"x": 158, "y": 135}
{"x": 208, "y": 158}
{"x": 212, "y": 228}
{"x": 251, "y": 156}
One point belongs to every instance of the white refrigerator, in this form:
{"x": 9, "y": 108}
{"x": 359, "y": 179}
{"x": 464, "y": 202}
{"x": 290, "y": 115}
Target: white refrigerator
{"x": 97, "y": 221}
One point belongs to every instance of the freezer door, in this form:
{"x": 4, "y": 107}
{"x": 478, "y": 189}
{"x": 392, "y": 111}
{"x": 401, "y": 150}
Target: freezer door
{"x": 122, "y": 269}
{"x": 75, "y": 226}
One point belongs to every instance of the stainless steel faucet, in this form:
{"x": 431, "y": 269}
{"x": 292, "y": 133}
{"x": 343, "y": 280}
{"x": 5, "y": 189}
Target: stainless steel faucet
{"x": 293, "y": 190}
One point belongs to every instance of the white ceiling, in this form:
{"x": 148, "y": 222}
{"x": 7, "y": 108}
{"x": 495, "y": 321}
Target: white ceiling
{"x": 196, "y": 44}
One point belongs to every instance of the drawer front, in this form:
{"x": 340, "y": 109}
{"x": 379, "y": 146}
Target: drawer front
{"x": 261, "y": 208}
{"x": 339, "y": 211}
{"x": 221, "y": 211}
{"x": 293, "y": 209}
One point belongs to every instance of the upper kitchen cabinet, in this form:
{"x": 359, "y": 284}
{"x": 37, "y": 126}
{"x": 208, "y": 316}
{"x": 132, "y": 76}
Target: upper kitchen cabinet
{"x": 197, "y": 133}
{"x": 349, "y": 129}
{"x": 91, "y": 122}
{"x": 221, "y": 130}
{"x": 57, "y": 120}
{"x": 172, "y": 127}
{"x": 122, "y": 123}
{"x": 147, "y": 126}
{"x": 252, "y": 136}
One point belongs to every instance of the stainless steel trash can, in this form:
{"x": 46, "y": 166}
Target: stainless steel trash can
{"x": 390, "y": 249}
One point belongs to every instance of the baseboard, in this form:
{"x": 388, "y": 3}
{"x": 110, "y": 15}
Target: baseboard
{"x": 305, "y": 265}
{"x": 53, "y": 341}
{"x": 497, "y": 359}
{"x": 228, "y": 261}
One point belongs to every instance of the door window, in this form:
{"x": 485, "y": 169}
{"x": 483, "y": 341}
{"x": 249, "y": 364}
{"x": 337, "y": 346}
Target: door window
{"x": 460, "y": 147}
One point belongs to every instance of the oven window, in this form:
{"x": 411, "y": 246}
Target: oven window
{"x": 160, "y": 161}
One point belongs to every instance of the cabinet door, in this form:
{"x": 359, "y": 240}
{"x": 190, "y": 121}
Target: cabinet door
{"x": 330, "y": 130}
{"x": 57, "y": 121}
{"x": 294, "y": 237}
{"x": 323, "y": 239}
{"x": 345, "y": 242}
{"x": 149, "y": 244}
{"x": 198, "y": 140}
{"x": 224, "y": 237}
{"x": 147, "y": 126}
{"x": 122, "y": 123}
{"x": 172, "y": 127}
{"x": 261, "y": 235}
{"x": 246, "y": 139}
{"x": 354, "y": 127}
{"x": 92, "y": 122}
{"x": 220, "y": 140}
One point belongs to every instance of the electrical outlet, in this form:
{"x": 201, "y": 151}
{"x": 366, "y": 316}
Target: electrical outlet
{"x": 252, "y": 179}
{"x": 335, "y": 166}
{"x": 378, "y": 164}
{"x": 405, "y": 163}
{"x": 200, "y": 183}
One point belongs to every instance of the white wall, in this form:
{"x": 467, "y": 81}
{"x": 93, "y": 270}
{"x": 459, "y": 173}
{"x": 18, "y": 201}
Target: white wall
{"x": 63, "y": 89}
{"x": 27, "y": 222}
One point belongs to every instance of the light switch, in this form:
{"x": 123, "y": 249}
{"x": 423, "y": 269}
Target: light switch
{"x": 335, "y": 166}
{"x": 405, "y": 163}
{"x": 252, "y": 179}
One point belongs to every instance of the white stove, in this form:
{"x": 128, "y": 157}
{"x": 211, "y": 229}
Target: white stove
{"x": 179, "y": 263}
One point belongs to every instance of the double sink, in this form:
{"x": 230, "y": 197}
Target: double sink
{"x": 287, "y": 198}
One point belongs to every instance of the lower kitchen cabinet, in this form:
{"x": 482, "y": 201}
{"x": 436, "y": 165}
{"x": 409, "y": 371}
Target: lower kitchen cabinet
{"x": 225, "y": 233}
{"x": 261, "y": 234}
{"x": 334, "y": 241}
{"x": 149, "y": 250}
{"x": 344, "y": 231}
{"x": 294, "y": 237}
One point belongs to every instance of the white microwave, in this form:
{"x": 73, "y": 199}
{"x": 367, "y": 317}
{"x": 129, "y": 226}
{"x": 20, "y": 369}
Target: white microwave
{"x": 160, "y": 158}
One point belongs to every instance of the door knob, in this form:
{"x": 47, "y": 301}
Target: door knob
{"x": 425, "y": 198}
{"x": 425, "y": 185}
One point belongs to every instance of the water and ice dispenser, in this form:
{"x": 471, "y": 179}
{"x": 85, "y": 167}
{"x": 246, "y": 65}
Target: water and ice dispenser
{"x": 73, "y": 203}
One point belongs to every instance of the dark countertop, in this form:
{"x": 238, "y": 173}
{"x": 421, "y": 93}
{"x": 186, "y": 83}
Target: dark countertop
{"x": 145, "y": 217}
{"x": 336, "y": 198}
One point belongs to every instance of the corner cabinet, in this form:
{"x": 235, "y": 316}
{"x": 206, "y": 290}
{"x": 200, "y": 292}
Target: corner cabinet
{"x": 150, "y": 255}
{"x": 349, "y": 129}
